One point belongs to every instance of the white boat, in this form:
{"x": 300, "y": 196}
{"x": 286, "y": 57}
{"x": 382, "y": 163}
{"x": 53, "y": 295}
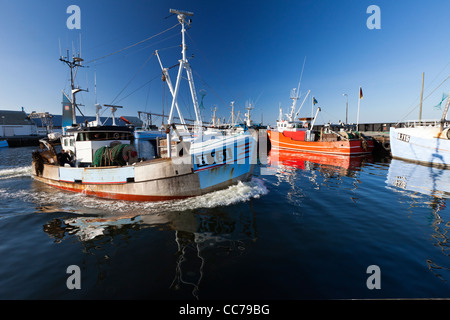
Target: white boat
{"x": 102, "y": 160}
{"x": 425, "y": 142}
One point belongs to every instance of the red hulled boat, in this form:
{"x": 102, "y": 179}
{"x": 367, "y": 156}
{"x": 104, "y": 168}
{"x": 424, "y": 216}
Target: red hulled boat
{"x": 325, "y": 141}
{"x": 299, "y": 134}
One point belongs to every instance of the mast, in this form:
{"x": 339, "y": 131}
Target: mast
{"x": 214, "y": 117}
{"x": 421, "y": 100}
{"x": 232, "y": 113}
{"x": 295, "y": 94}
{"x": 346, "y": 108}
{"x": 303, "y": 103}
{"x": 169, "y": 84}
{"x": 248, "y": 120}
{"x": 444, "y": 114}
{"x": 73, "y": 65}
{"x": 184, "y": 64}
{"x": 280, "y": 116}
{"x": 113, "y": 112}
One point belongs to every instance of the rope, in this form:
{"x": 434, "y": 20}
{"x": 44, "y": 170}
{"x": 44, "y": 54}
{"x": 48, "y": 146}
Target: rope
{"x": 140, "y": 69}
{"x": 139, "y": 88}
{"x": 133, "y": 45}
{"x": 214, "y": 72}
{"x": 422, "y": 101}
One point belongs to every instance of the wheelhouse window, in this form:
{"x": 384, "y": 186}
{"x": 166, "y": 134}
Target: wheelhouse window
{"x": 103, "y": 135}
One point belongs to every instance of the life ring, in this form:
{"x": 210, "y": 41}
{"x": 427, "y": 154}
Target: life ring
{"x": 116, "y": 135}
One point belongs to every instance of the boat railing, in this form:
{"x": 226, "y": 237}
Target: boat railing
{"x": 423, "y": 123}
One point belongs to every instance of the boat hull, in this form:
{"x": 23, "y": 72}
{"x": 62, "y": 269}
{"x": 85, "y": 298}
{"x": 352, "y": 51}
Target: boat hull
{"x": 420, "y": 145}
{"x": 345, "y": 147}
{"x": 166, "y": 184}
{"x": 216, "y": 165}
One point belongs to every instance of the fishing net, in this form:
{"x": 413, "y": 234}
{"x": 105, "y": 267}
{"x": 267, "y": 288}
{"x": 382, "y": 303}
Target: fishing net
{"x": 118, "y": 155}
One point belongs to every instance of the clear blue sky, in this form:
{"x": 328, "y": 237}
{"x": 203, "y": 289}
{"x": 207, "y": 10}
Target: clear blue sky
{"x": 243, "y": 50}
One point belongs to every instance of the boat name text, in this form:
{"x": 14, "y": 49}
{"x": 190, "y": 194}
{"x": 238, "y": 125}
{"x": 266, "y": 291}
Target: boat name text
{"x": 214, "y": 157}
{"x": 403, "y": 137}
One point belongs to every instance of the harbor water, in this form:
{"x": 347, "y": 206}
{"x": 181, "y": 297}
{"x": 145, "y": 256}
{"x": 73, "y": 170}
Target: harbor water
{"x": 302, "y": 228}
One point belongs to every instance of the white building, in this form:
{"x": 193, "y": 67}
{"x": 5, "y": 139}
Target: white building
{"x": 16, "y": 123}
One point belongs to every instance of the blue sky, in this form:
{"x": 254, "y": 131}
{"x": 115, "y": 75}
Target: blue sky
{"x": 242, "y": 50}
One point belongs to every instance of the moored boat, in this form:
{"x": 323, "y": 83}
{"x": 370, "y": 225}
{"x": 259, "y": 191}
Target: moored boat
{"x": 102, "y": 161}
{"x": 323, "y": 141}
{"x": 424, "y": 142}
{"x": 300, "y": 134}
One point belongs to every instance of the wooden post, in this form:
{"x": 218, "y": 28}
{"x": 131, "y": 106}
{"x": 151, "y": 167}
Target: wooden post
{"x": 421, "y": 99}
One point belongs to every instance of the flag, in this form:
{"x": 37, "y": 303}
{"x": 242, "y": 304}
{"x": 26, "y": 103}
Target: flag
{"x": 438, "y": 106}
{"x": 203, "y": 94}
{"x": 360, "y": 93}
{"x": 314, "y": 101}
{"x": 67, "y": 117}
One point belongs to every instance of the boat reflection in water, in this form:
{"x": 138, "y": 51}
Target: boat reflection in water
{"x": 428, "y": 180}
{"x": 429, "y": 186}
{"x": 328, "y": 164}
{"x": 200, "y": 235}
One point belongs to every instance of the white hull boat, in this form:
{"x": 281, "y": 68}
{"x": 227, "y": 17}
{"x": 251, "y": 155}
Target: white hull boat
{"x": 427, "y": 145}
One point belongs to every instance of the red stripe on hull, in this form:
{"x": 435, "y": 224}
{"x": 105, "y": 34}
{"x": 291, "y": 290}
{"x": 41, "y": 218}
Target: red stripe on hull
{"x": 111, "y": 195}
{"x": 351, "y": 147}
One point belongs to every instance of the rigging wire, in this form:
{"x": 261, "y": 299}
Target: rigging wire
{"x": 422, "y": 100}
{"x": 212, "y": 90}
{"x": 140, "y": 69}
{"x": 133, "y": 45}
{"x": 157, "y": 76}
{"x": 214, "y": 71}
{"x": 143, "y": 48}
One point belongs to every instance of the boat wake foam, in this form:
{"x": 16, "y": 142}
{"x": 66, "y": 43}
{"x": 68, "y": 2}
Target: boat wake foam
{"x": 8, "y": 172}
{"x": 240, "y": 192}
{"x": 50, "y": 199}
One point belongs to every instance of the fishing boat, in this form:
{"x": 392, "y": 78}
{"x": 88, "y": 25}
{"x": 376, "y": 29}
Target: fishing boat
{"x": 424, "y": 142}
{"x": 300, "y": 134}
{"x": 421, "y": 143}
{"x": 102, "y": 161}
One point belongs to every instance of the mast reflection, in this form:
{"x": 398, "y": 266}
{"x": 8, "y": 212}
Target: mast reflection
{"x": 199, "y": 236}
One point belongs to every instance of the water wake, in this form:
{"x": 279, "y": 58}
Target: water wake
{"x": 52, "y": 199}
{"x": 8, "y": 172}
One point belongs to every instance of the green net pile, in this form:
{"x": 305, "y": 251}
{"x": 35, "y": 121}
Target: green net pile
{"x": 110, "y": 156}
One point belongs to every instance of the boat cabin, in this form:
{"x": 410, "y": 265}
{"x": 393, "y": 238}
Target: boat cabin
{"x": 302, "y": 124}
{"x": 85, "y": 141}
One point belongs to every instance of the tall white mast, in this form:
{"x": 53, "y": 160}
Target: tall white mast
{"x": 184, "y": 64}
{"x": 169, "y": 84}
{"x": 232, "y": 113}
{"x": 295, "y": 95}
